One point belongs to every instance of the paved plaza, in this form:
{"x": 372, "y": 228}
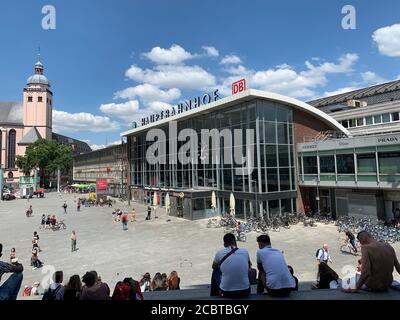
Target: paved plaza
{"x": 148, "y": 246}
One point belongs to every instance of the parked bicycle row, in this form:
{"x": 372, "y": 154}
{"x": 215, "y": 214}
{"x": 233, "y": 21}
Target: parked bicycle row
{"x": 377, "y": 228}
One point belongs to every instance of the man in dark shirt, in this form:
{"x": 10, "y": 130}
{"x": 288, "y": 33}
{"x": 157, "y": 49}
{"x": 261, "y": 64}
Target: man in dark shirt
{"x": 350, "y": 237}
{"x": 378, "y": 261}
{"x": 9, "y": 289}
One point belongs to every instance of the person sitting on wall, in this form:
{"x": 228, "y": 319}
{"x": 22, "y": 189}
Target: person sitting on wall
{"x": 378, "y": 260}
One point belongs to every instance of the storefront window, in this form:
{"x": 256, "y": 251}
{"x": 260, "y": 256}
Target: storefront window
{"x": 389, "y": 162}
{"x": 345, "y": 163}
{"x": 366, "y": 163}
{"x": 310, "y": 165}
{"x": 327, "y": 164}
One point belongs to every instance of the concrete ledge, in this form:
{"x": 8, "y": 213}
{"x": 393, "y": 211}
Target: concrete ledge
{"x": 304, "y": 293}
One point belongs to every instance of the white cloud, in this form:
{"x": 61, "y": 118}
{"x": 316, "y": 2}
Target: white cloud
{"x": 174, "y": 55}
{"x": 338, "y": 91}
{"x": 237, "y": 70}
{"x": 345, "y": 65}
{"x": 148, "y": 92}
{"x": 231, "y": 59}
{"x": 82, "y": 121}
{"x": 125, "y": 111}
{"x": 102, "y": 146}
{"x": 284, "y": 66}
{"x": 156, "y": 106}
{"x": 172, "y": 76}
{"x": 211, "y": 51}
{"x": 285, "y": 80}
{"x": 372, "y": 77}
{"x": 388, "y": 40}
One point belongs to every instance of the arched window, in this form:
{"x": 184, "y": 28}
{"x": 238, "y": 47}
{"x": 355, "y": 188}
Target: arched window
{"x": 11, "y": 149}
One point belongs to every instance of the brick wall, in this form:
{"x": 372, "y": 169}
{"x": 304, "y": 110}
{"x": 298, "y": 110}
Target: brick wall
{"x": 305, "y": 125}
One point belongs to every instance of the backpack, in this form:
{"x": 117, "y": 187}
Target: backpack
{"x": 122, "y": 291}
{"x": 50, "y": 295}
{"x": 27, "y": 292}
{"x": 317, "y": 253}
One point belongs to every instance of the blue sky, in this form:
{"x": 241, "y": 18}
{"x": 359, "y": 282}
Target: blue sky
{"x": 111, "y": 62}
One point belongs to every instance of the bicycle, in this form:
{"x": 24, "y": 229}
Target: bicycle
{"x": 346, "y": 247}
{"x": 59, "y": 225}
{"x": 213, "y": 223}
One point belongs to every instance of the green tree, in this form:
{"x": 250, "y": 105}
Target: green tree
{"x": 48, "y": 156}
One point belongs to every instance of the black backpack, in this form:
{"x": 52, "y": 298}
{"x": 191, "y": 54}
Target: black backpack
{"x": 316, "y": 254}
{"x": 50, "y": 294}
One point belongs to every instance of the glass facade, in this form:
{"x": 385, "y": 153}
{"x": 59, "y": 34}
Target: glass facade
{"x": 369, "y": 166}
{"x": 272, "y": 170}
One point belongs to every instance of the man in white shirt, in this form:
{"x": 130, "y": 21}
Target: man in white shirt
{"x": 323, "y": 255}
{"x": 234, "y": 264}
{"x": 274, "y": 274}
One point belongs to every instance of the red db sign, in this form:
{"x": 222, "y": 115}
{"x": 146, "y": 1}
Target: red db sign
{"x": 239, "y": 86}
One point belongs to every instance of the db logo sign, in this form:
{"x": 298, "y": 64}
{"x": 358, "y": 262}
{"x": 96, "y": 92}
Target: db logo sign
{"x": 238, "y": 86}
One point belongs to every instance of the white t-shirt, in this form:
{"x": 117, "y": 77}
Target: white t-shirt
{"x": 323, "y": 255}
{"x": 235, "y": 269}
{"x": 275, "y": 267}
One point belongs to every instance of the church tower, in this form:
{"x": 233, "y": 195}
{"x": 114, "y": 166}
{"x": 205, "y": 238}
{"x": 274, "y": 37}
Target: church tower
{"x": 37, "y": 105}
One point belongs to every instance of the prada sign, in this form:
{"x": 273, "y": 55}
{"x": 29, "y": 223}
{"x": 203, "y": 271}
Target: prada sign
{"x": 387, "y": 139}
{"x": 182, "y": 107}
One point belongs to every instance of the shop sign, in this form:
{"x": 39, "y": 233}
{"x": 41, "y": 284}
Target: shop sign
{"x": 101, "y": 185}
{"x": 182, "y": 107}
{"x": 239, "y": 86}
{"x": 178, "y": 194}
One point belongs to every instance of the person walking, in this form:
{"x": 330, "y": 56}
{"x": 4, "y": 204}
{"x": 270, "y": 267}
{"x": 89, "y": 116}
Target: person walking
{"x": 78, "y": 206}
{"x": 35, "y": 240}
{"x": 148, "y": 213}
{"x": 73, "y": 241}
{"x": 29, "y": 212}
{"x": 125, "y": 221}
{"x": 133, "y": 215}
{"x": 43, "y": 224}
{"x": 322, "y": 255}
{"x": 65, "y": 206}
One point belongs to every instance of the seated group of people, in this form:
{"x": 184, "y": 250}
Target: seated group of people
{"x": 233, "y": 274}
{"x": 48, "y": 222}
{"x": 91, "y": 287}
{"x": 160, "y": 282}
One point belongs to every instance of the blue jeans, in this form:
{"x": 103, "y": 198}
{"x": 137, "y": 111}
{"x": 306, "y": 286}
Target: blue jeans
{"x": 125, "y": 226}
{"x": 9, "y": 290}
